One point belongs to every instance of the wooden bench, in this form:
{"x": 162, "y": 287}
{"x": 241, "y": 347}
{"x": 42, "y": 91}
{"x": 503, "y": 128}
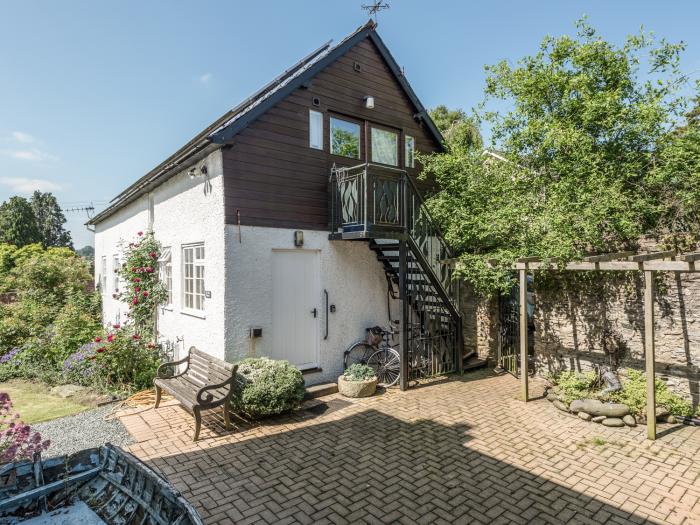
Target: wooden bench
{"x": 206, "y": 382}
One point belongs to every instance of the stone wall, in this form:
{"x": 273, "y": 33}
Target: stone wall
{"x": 586, "y": 319}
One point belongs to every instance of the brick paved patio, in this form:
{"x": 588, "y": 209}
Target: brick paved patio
{"x": 462, "y": 450}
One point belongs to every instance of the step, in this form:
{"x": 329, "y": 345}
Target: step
{"x": 324, "y": 389}
{"x": 474, "y": 363}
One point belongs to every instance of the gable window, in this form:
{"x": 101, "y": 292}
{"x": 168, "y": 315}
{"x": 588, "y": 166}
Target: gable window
{"x": 385, "y": 148}
{"x": 115, "y": 270}
{"x": 193, "y": 277}
{"x": 345, "y": 138}
{"x": 410, "y": 152}
{"x": 315, "y": 129}
{"x": 165, "y": 269}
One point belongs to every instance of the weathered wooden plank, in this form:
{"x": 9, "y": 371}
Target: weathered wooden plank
{"x": 649, "y": 356}
{"x": 641, "y": 257}
{"x": 689, "y": 257}
{"x": 524, "y": 387}
{"x": 607, "y": 256}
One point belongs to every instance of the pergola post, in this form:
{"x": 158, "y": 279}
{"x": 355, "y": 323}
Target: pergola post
{"x": 649, "y": 352}
{"x": 523, "y": 336}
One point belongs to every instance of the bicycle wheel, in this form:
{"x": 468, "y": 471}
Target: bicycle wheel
{"x": 387, "y": 365}
{"x": 358, "y": 353}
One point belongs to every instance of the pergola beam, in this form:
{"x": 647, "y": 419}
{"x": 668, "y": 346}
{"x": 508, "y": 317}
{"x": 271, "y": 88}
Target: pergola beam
{"x": 608, "y": 256}
{"x": 640, "y": 257}
{"x": 619, "y": 266}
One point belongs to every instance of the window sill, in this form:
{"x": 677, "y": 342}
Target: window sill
{"x": 194, "y": 313}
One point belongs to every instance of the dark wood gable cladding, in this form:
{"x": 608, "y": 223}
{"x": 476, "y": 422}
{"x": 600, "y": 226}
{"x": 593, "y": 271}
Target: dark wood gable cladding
{"x": 271, "y": 175}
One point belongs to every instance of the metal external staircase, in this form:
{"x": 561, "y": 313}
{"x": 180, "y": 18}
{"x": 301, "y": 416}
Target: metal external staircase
{"x": 382, "y": 206}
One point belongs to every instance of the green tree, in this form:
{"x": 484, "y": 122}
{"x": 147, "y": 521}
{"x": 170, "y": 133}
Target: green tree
{"x": 18, "y": 224}
{"x": 459, "y": 130}
{"x": 579, "y": 139}
{"x": 50, "y": 220}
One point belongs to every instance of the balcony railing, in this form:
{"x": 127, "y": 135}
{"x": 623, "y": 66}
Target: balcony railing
{"x": 372, "y": 201}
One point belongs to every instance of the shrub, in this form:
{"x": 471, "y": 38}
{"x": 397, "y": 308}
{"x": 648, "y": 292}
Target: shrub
{"x": 119, "y": 361}
{"x": 359, "y": 372}
{"x": 17, "y": 441}
{"x": 634, "y": 395}
{"x": 266, "y": 387}
{"x": 574, "y": 385}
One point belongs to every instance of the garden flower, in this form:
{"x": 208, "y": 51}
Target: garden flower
{"x": 151, "y": 345}
{"x": 145, "y": 293}
{"x": 101, "y": 349}
{"x": 152, "y": 255}
{"x": 137, "y": 288}
{"x": 137, "y": 279}
{"x": 110, "y": 337}
{"x": 135, "y": 301}
{"x": 149, "y": 269}
{"x": 98, "y": 339}
{"x": 136, "y": 337}
{"x": 139, "y": 234}
{"x": 116, "y": 326}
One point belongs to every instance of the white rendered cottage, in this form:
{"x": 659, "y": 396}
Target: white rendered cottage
{"x": 272, "y": 248}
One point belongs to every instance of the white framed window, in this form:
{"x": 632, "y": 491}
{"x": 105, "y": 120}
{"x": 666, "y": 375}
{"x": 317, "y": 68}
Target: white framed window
{"x": 115, "y": 271}
{"x": 385, "y": 148}
{"x": 165, "y": 269}
{"x": 409, "y": 157}
{"x": 315, "y": 129}
{"x": 193, "y": 277}
{"x": 103, "y": 274}
{"x": 345, "y": 138}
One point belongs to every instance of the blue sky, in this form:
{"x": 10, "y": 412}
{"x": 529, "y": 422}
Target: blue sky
{"x": 95, "y": 94}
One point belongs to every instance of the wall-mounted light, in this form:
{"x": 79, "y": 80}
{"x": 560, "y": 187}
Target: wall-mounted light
{"x": 298, "y": 238}
{"x": 201, "y": 172}
{"x": 369, "y": 102}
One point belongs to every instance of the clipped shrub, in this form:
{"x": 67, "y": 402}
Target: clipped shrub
{"x": 266, "y": 387}
{"x": 359, "y": 372}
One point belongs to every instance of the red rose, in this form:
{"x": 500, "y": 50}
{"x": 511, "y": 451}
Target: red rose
{"x": 135, "y": 301}
{"x": 139, "y": 234}
{"x": 137, "y": 288}
{"x": 116, "y": 326}
{"x": 145, "y": 294}
{"x": 101, "y": 349}
{"x": 153, "y": 255}
{"x": 110, "y": 337}
{"x": 149, "y": 269}
{"x": 137, "y": 279}
{"x": 136, "y": 337}
{"x": 98, "y": 339}
{"x": 151, "y": 345}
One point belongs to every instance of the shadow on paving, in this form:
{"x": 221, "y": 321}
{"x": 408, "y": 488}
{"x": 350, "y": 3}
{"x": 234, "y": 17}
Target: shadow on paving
{"x": 370, "y": 467}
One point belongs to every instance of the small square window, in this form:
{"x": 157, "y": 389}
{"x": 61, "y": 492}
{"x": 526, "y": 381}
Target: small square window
{"x": 385, "y": 147}
{"x": 315, "y": 129}
{"x": 410, "y": 152}
{"x": 345, "y": 138}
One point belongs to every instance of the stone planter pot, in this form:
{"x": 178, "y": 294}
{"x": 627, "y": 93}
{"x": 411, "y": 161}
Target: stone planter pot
{"x": 357, "y": 388}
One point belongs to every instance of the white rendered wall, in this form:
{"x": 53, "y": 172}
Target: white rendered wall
{"x": 350, "y": 272}
{"x": 185, "y": 211}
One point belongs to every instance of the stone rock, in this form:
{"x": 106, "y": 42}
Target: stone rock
{"x": 671, "y": 419}
{"x": 662, "y": 413}
{"x": 551, "y": 397}
{"x": 576, "y": 405}
{"x": 585, "y": 416}
{"x": 561, "y": 405}
{"x": 629, "y": 420}
{"x": 66, "y": 391}
{"x": 613, "y": 422}
{"x": 357, "y": 388}
{"x": 597, "y": 408}
{"x": 598, "y": 419}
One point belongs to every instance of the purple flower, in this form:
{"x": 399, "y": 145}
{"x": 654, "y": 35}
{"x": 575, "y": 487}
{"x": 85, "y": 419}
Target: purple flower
{"x": 10, "y": 355}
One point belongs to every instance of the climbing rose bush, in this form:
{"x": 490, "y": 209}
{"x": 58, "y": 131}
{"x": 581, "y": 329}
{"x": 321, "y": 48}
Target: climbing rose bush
{"x": 143, "y": 291}
{"x": 17, "y": 441}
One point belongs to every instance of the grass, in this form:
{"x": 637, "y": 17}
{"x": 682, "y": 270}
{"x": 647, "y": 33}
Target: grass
{"x": 35, "y": 404}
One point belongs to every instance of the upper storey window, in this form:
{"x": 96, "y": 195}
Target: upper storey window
{"x": 315, "y": 129}
{"x": 385, "y": 147}
{"x": 345, "y": 138}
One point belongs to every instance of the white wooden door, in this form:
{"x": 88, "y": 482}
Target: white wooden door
{"x": 296, "y": 306}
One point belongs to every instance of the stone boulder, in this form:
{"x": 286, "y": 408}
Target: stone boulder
{"x": 66, "y": 391}
{"x": 585, "y": 416}
{"x": 597, "y": 408}
{"x": 561, "y": 405}
{"x": 613, "y": 422}
{"x": 598, "y": 419}
{"x": 629, "y": 420}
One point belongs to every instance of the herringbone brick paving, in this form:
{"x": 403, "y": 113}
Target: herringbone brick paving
{"x": 458, "y": 450}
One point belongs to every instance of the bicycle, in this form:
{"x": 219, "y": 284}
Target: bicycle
{"x": 376, "y": 352}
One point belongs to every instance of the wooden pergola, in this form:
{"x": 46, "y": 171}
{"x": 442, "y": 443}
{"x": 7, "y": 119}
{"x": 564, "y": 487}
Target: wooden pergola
{"x": 649, "y": 263}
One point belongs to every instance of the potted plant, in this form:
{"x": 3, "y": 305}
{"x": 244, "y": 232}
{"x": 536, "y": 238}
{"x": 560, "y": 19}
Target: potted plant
{"x": 358, "y": 381}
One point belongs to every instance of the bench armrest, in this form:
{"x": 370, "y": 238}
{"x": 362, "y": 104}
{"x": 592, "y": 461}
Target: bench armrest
{"x": 205, "y": 398}
{"x": 161, "y": 373}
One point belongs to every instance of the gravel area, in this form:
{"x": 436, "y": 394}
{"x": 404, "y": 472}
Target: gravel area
{"x": 85, "y": 430}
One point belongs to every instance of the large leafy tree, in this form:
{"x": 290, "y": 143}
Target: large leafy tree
{"x": 50, "y": 220}
{"x": 459, "y": 130}
{"x": 18, "y": 224}
{"x": 578, "y": 140}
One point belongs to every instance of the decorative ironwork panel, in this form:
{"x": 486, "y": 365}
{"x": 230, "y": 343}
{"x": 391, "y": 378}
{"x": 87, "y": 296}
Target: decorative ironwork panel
{"x": 386, "y": 201}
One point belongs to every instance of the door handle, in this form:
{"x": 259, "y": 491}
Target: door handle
{"x": 315, "y": 312}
